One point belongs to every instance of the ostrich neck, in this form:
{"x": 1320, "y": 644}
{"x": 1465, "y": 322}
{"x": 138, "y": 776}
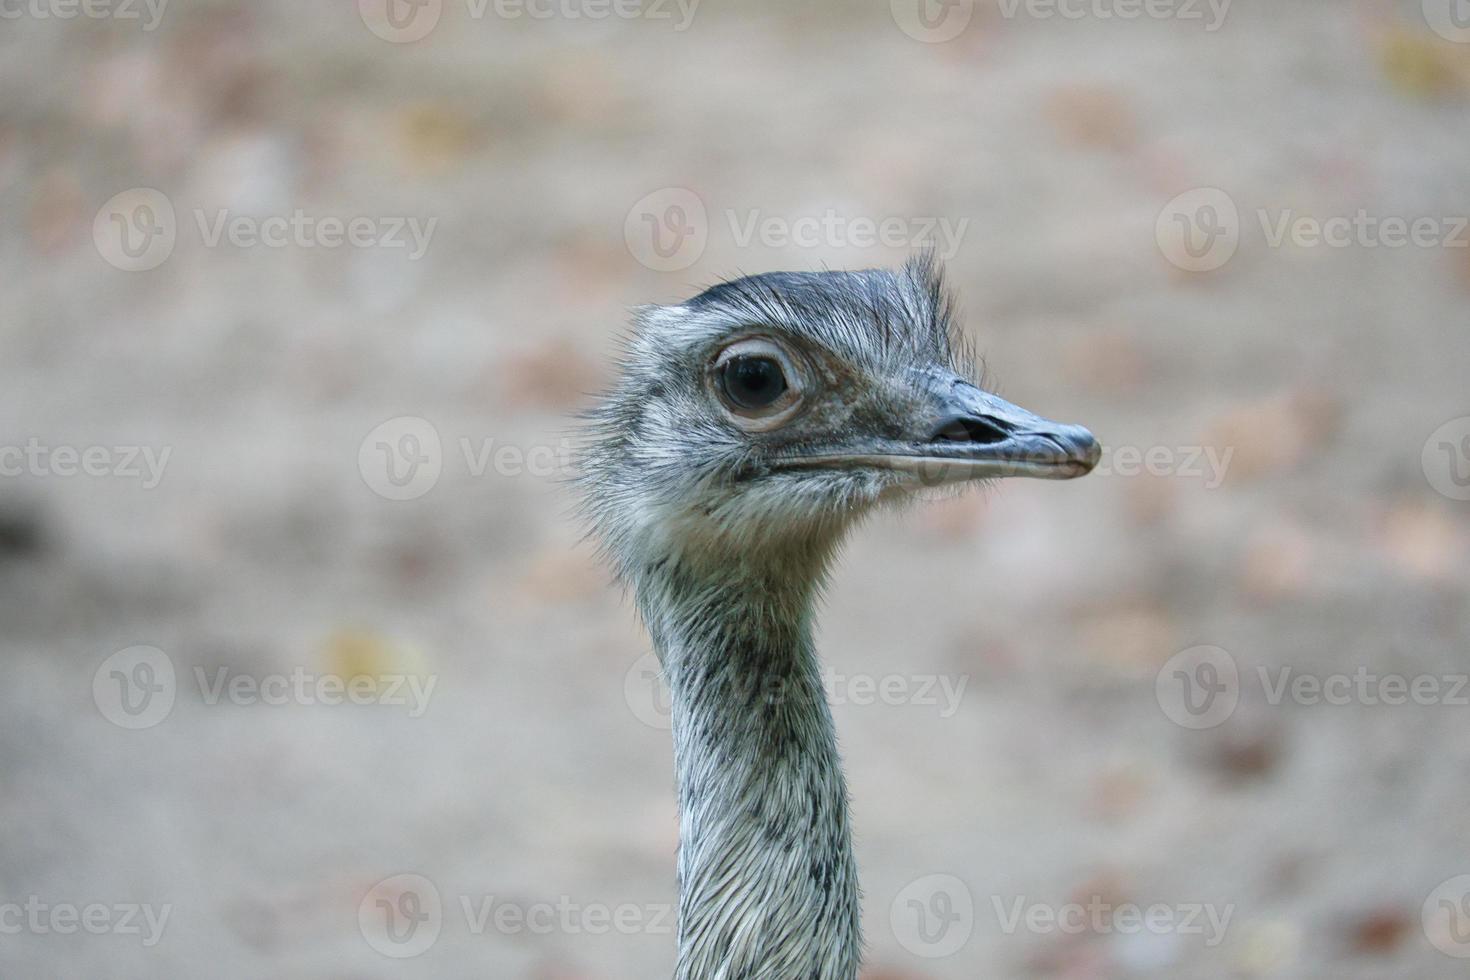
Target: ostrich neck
{"x": 768, "y": 886}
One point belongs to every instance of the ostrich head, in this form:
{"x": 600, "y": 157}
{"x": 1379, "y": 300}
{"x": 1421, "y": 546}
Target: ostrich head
{"x": 753, "y": 423}
{"x": 750, "y": 427}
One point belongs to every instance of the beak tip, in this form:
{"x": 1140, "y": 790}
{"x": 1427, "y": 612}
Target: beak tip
{"x": 1082, "y": 446}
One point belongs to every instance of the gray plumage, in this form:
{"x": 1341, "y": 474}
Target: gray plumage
{"x": 724, "y": 521}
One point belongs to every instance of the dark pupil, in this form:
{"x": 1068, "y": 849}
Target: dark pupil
{"x": 753, "y": 382}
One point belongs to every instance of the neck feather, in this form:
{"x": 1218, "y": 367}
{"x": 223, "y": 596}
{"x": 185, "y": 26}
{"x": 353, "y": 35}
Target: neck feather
{"x": 768, "y": 885}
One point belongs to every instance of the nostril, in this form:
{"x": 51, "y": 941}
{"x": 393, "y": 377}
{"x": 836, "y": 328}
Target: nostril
{"x": 970, "y": 429}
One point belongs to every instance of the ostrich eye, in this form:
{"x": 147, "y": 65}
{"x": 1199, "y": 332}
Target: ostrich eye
{"x": 752, "y": 381}
{"x": 758, "y": 382}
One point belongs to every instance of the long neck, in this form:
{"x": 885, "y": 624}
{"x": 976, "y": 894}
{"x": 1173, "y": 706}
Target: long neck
{"x": 768, "y": 885}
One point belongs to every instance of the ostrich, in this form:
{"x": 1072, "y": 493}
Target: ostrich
{"x": 749, "y": 428}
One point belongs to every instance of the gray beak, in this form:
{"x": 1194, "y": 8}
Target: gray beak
{"x": 972, "y": 434}
{"x": 980, "y": 435}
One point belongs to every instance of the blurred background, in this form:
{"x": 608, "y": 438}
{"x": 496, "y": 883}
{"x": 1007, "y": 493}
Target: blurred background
{"x": 308, "y": 672}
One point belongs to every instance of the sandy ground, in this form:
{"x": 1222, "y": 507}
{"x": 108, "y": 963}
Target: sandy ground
{"x": 530, "y": 787}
